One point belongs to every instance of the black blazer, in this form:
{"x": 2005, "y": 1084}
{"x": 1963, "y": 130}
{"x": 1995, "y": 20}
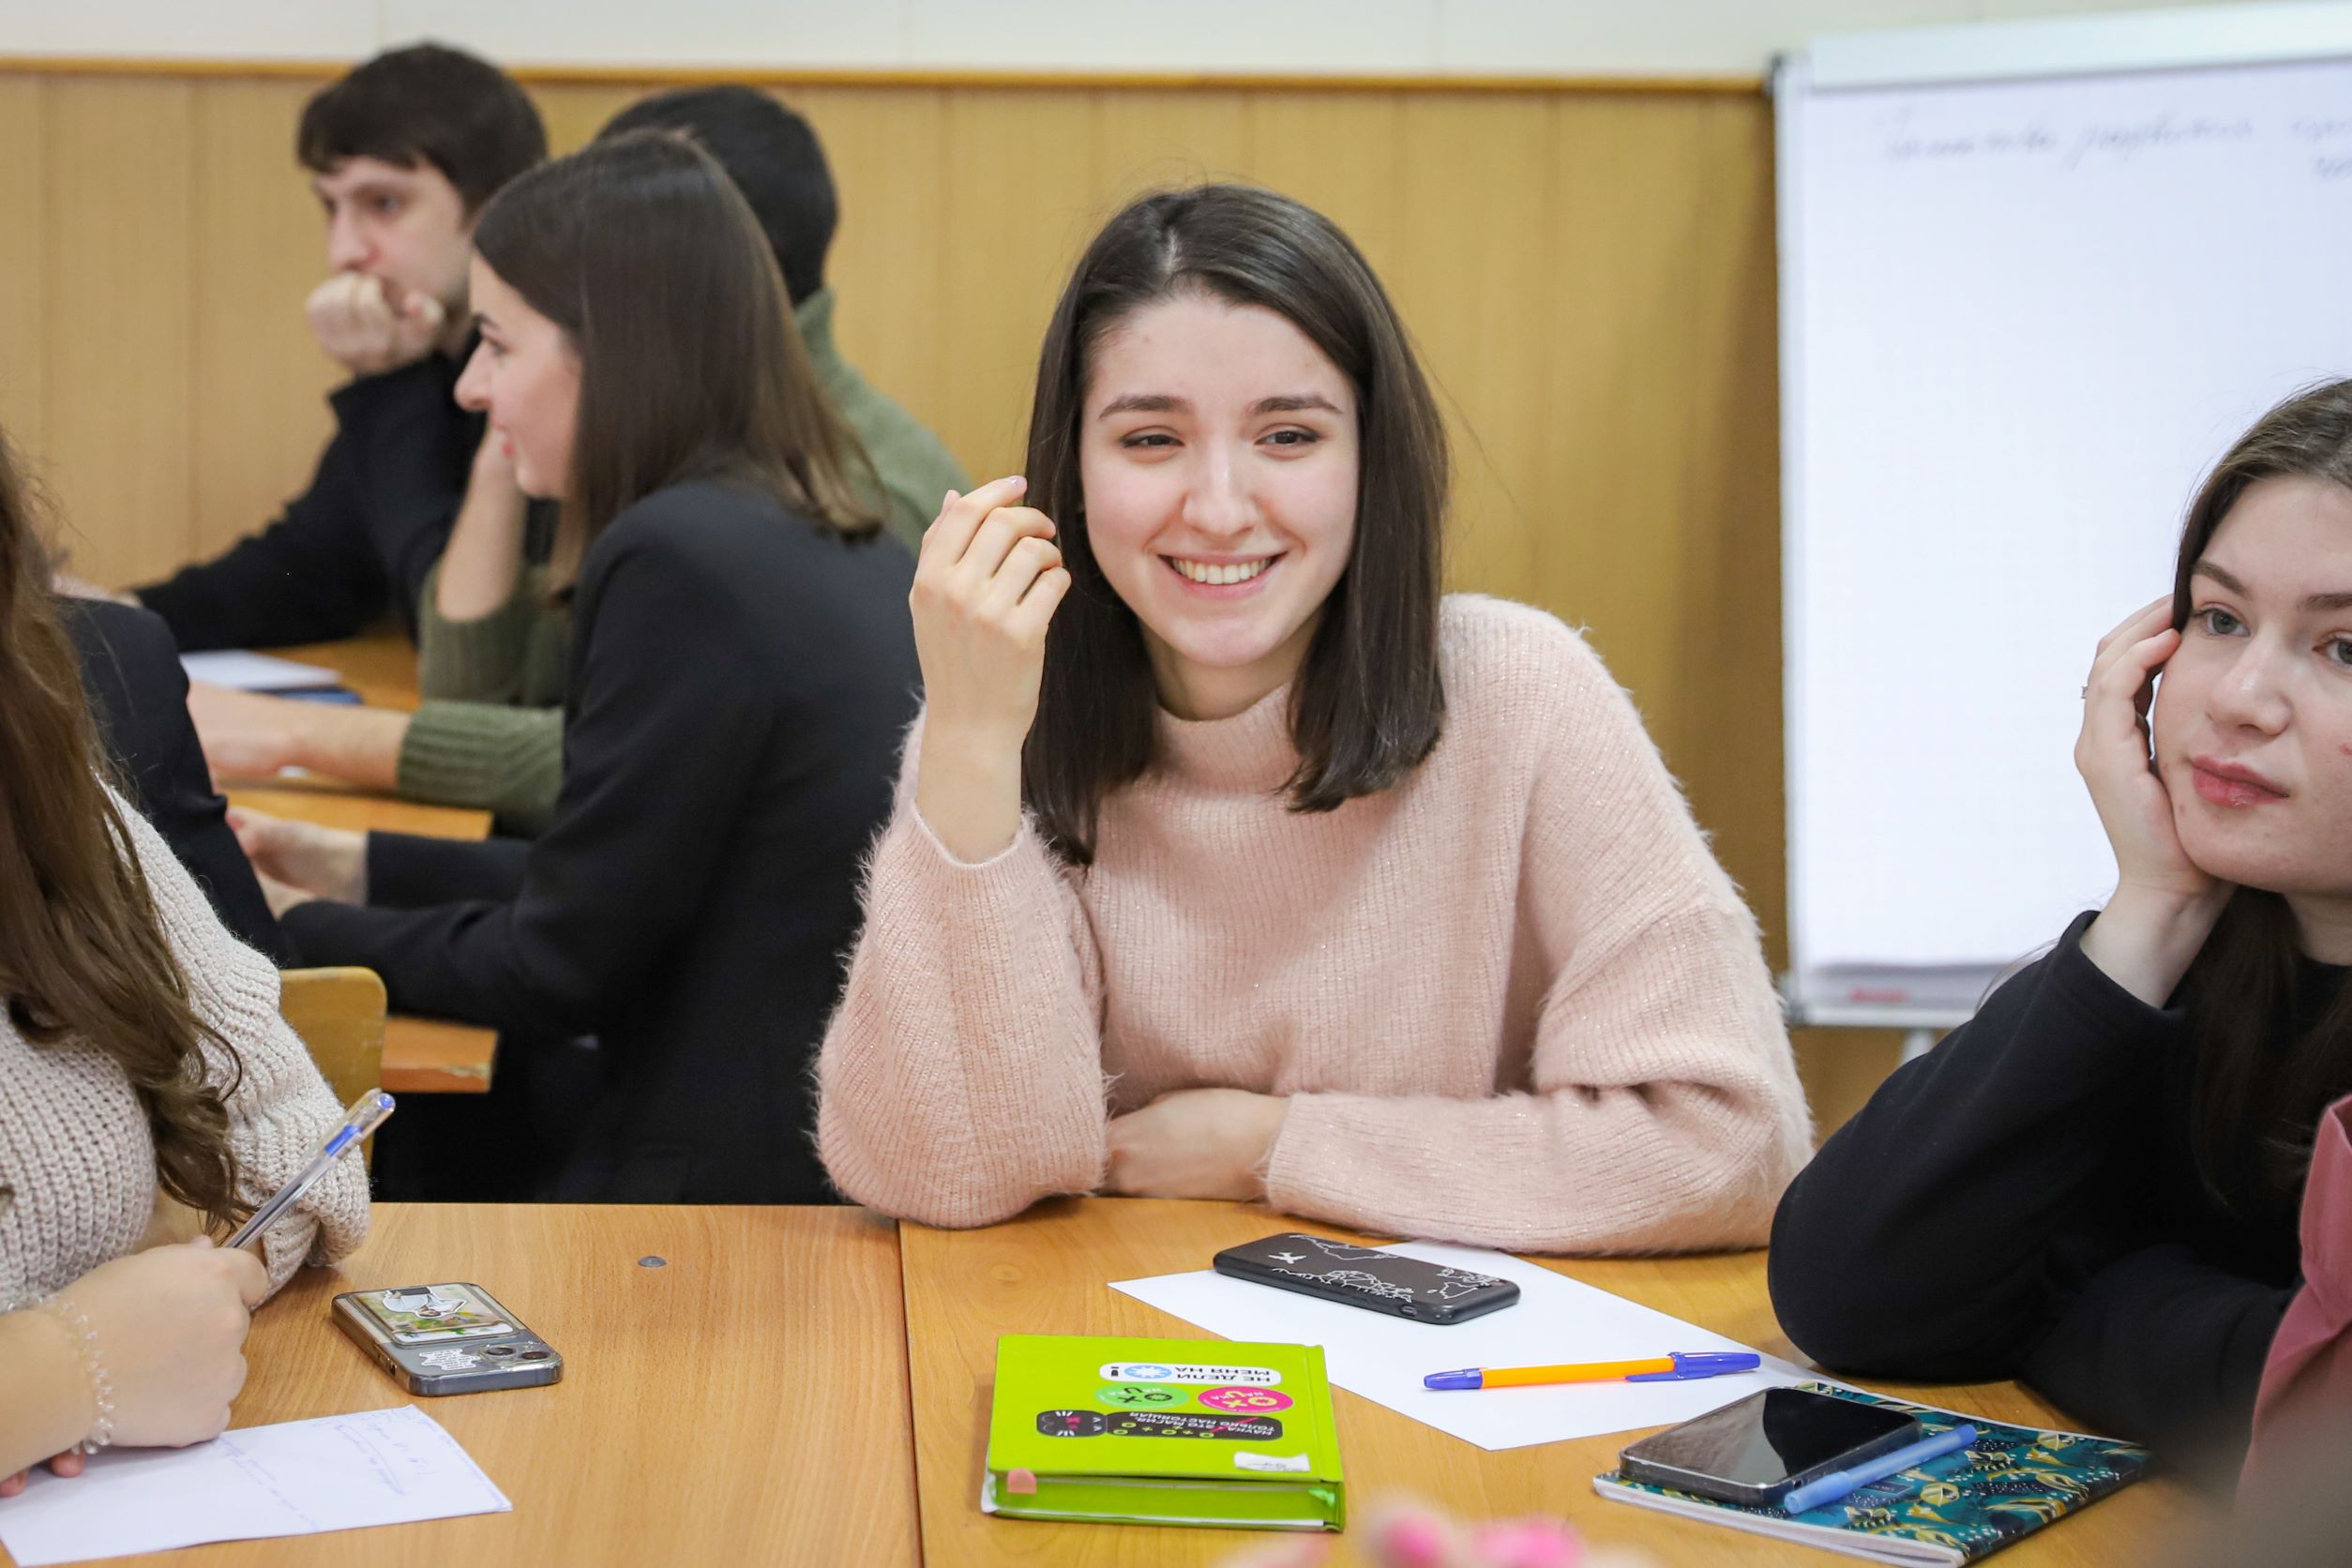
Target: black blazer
{"x": 359, "y": 540}
{"x": 137, "y": 694}
{"x": 738, "y": 691}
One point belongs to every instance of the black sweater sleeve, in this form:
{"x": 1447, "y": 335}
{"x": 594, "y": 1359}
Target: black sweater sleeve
{"x": 138, "y": 696}
{"x": 1918, "y": 1241}
{"x": 2162, "y": 1346}
{"x": 362, "y": 537}
{"x": 406, "y": 871}
{"x": 667, "y": 722}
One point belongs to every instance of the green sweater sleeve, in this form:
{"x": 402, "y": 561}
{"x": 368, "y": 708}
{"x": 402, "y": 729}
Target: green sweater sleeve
{"x": 514, "y": 655}
{"x": 508, "y": 761}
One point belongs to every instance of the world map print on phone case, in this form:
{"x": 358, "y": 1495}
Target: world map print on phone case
{"x": 1453, "y": 1284}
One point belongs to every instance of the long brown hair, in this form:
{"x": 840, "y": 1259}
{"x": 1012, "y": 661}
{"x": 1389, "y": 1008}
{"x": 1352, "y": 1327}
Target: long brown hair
{"x": 642, "y": 251}
{"x": 2259, "y": 1097}
{"x": 82, "y": 955}
{"x": 1369, "y": 703}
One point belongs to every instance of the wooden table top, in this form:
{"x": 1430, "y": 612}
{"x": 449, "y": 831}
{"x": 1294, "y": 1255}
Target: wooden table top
{"x": 1047, "y": 1272}
{"x": 381, "y": 667}
{"x": 746, "y": 1403}
{"x": 330, "y": 804}
{"x": 421, "y": 1056}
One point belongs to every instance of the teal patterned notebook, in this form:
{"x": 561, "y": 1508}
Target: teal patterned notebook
{"x": 2010, "y": 1483}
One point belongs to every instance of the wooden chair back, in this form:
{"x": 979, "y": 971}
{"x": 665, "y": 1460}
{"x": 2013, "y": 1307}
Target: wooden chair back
{"x": 339, "y": 1013}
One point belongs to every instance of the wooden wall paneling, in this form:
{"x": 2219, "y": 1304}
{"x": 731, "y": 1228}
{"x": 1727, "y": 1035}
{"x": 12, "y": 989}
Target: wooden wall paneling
{"x": 1336, "y": 152}
{"x": 121, "y": 274}
{"x": 1841, "y": 1068}
{"x": 1726, "y": 669}
{"x": 259, "y": 409}
{"x": 1020, "y": 207}
{"x": 1470, "y": 273}
{"x": 1151, "y": 140}
{"x": 1619, "y": 389}
{"x": 888, "y": 266}
{"x": 23, "y": 267}
{"x": 575, "y": 113}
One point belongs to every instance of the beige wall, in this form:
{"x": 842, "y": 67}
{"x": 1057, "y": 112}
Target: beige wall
{"x": 1589, "y": 272}
{"x": 1418, "y": 36}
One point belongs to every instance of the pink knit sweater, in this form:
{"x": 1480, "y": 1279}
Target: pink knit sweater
{"x": 1513, "y": 1000}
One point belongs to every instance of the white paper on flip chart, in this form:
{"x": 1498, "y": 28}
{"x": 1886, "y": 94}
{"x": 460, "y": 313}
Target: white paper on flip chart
{"x": 297, "y": 1478}
{"x": 1557, "y": 1319}
{"x": 232, "y": 667}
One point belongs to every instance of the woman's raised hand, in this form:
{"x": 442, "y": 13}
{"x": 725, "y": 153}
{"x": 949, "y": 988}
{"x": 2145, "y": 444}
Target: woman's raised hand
{"x": 985, "y": 586}
{"x": 2164, "y": 906}
{"x": 2112, "y": 755}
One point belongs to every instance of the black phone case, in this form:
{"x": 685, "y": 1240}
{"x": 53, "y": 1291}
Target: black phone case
{"x": 1635, "y": 1463}
{"x": 1364, "y": 1276}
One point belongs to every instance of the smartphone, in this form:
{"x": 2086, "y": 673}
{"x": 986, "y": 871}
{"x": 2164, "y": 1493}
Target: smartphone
{"x": 1366, "y": 1276}
{"x": 1758, "y": 1450}
{"x": 447, "y": 1339}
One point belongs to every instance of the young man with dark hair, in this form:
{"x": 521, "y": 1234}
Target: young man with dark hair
{"x": 488, "y": 633}
{"x": 402, "y": 153}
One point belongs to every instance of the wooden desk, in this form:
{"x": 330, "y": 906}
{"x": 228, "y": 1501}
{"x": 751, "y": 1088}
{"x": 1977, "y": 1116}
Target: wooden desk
{"x": 1047, "y": 1273}
{"x": 421, "y": 1056}
{"x": 332, "y": 805}
{"x": 747, "y": 1403}
{"x": 433, "y": 1056}
{"x": 381, "y": 667}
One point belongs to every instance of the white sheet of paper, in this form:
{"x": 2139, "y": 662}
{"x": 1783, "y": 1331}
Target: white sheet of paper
{"x": 233, "y": 667}
{"x": 297, "y": 1478}
{"x": 1557, "y": 1319}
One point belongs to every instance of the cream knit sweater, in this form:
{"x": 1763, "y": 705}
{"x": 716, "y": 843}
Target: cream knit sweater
{"x": 75, "y": 1147}
{"x": 1513, "y": 1000}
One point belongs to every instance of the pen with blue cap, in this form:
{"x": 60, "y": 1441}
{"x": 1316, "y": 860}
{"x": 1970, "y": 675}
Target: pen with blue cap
{"x": 1677, "y": 1366}
{"x": 1837, "y": 1484}
{"x": 366, "y": 1113}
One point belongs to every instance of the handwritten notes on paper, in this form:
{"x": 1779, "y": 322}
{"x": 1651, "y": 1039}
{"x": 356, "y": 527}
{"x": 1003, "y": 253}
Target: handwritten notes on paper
{"x": 299, "y": 1478}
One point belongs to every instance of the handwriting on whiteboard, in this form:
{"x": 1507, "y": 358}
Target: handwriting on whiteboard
{"x": 1911, "y": 136}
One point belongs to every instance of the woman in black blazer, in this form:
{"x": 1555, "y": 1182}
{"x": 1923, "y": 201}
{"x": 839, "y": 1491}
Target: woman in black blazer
{"x": 742, "y": 670}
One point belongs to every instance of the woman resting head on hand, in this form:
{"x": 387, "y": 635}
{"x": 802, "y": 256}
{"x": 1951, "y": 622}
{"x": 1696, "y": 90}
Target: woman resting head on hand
{"x": 143, "y": 1067}
{"x": 2232, "y": 825}
{"x": 2092, "y": 1185}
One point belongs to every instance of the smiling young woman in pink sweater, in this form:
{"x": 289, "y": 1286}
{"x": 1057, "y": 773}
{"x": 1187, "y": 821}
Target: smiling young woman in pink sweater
{"x": 1270, "y": 874}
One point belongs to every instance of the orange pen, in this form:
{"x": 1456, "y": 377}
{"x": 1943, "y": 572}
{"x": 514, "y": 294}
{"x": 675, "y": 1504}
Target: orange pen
{"x": 1676, "y": 1366}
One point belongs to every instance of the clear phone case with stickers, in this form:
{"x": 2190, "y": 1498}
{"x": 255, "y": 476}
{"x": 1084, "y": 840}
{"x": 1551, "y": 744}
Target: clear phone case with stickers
{"x": 451, "y": 1338}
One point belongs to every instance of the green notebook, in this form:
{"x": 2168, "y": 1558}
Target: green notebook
{"x": 2010, "y": 1483}
{"x": 1163, "y": 1432}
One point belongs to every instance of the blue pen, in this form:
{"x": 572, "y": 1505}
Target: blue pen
{"x": 364, "y": 1116}
{"x": 1835, "y": 1485}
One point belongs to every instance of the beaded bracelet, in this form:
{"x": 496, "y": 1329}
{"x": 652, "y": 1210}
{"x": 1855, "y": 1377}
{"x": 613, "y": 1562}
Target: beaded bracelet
{"x": 92, "y": 1356}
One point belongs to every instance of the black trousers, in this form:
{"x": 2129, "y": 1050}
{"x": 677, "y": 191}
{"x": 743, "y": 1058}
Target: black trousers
{"x": 506, "y": 1146}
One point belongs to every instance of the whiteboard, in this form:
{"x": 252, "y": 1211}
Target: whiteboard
{"x": 2021, "y": 314}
